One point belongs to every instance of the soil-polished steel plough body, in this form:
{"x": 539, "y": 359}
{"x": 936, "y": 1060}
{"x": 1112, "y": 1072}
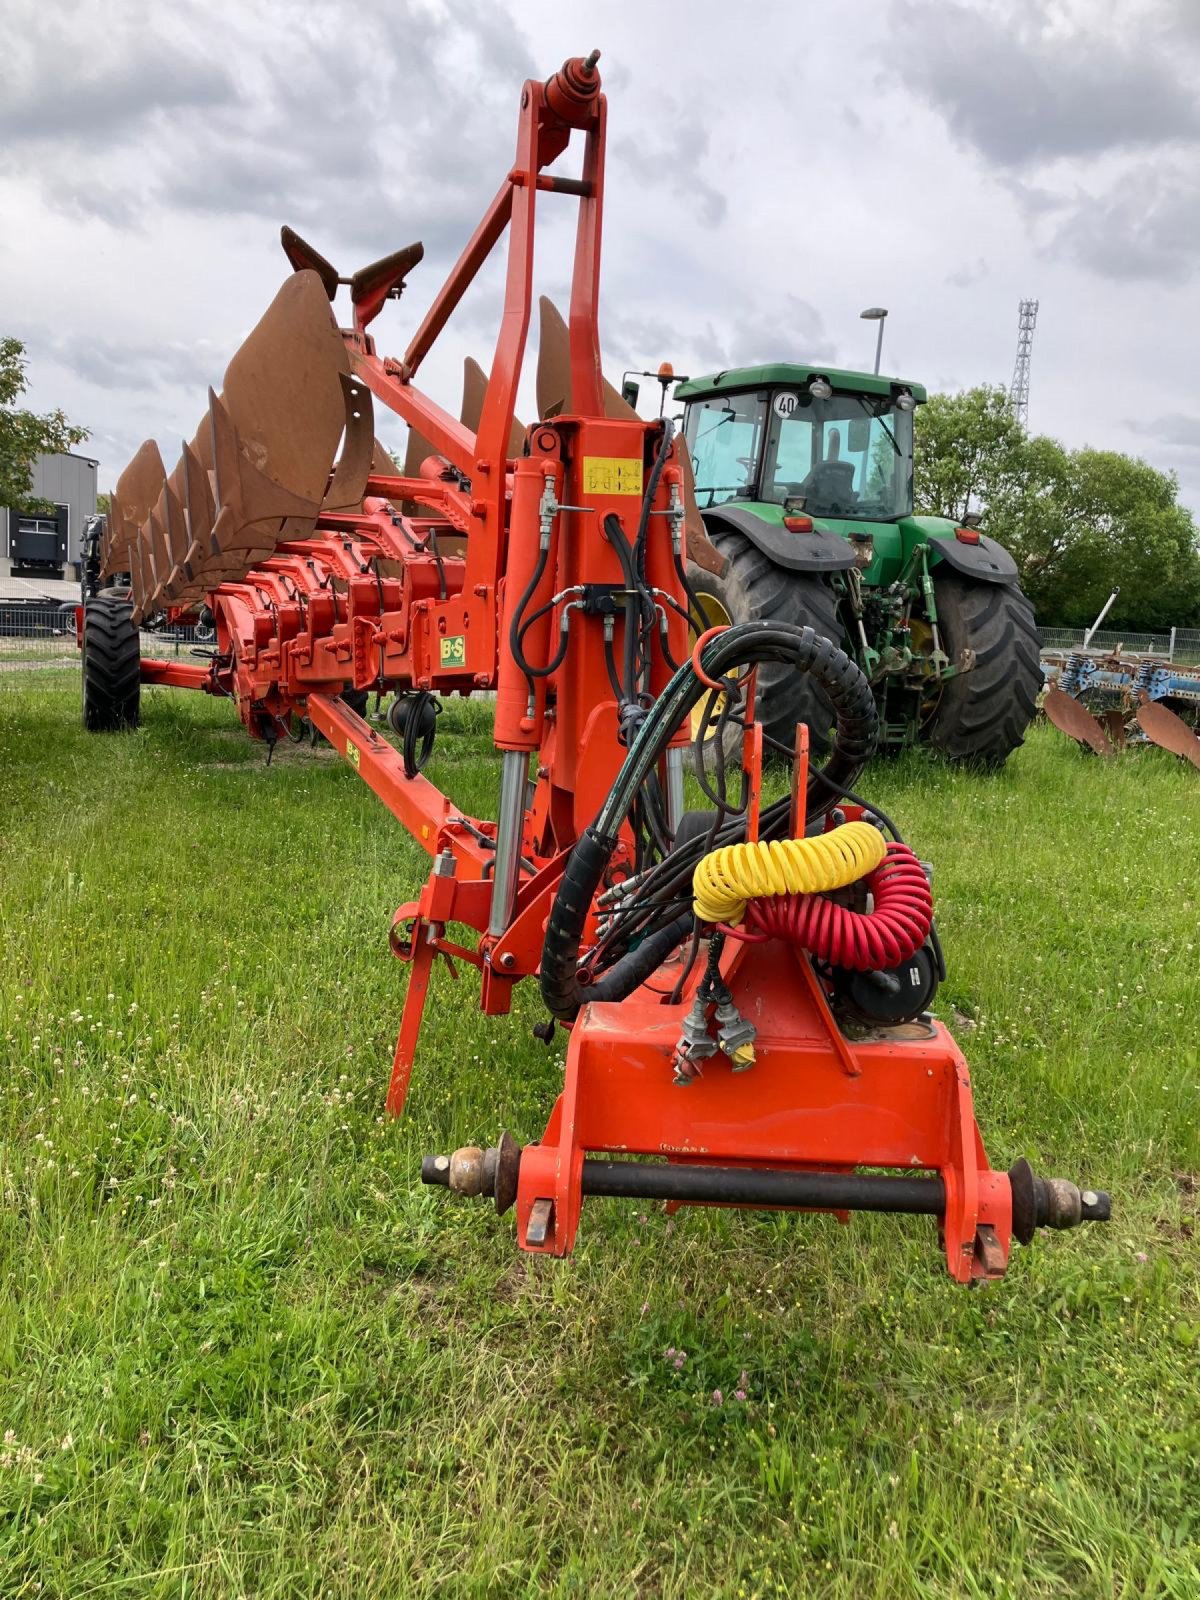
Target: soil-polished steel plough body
{"x": 547, "y": 564}
{"x": 1108, "y": 701}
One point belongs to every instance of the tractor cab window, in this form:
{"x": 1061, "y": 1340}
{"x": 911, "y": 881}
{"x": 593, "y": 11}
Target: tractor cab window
{"x": 848, "y": 456}
{"x": 725, "y": 437}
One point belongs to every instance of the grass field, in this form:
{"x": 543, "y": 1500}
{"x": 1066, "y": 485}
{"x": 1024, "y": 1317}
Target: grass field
{"x": 244, "y": 1353}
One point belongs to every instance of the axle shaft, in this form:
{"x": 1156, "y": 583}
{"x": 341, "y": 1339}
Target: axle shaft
{"x": 1037, "y": 1202}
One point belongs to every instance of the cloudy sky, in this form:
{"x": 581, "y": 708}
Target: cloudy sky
{"x": 773, "y": 169}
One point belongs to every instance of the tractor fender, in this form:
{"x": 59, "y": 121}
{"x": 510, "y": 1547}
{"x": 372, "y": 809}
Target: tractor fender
{"x": 986, "y": 562}
{"x": 815, "y": 551}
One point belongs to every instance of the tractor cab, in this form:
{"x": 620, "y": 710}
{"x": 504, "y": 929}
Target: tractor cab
{"x": 821, "y": 443}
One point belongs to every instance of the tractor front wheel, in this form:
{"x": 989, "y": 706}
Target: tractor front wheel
{"x": 754, "y": 589}
{"x": 984, "y": 710}
{"x": 112, "y": 665}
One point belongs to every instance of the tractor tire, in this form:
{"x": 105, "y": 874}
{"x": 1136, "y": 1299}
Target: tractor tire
{"x": 112, "y": 666}
{"x": 983, "y": 713}
{"x": 754, "y": 589}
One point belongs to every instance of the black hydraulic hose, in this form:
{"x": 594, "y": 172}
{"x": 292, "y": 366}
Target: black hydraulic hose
{"x": 656, "y": 471}
{"x": 853, "y": 740}
{"x": 514, "y": 632}
{"x": 556, "y": 660}
{"x": 615, "y": 535}
{"x": 746, "y": 642}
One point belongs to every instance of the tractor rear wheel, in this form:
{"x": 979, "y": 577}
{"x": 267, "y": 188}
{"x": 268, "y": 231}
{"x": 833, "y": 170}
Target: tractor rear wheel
{"x": 112, "y": 665}
{"x": 983, "y": 713}
{"x": 754, "y": 589}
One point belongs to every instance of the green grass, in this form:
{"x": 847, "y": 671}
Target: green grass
{"x": 243, "y": 1352}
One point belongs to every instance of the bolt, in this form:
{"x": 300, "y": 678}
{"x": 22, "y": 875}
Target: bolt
{"x": 508, "y": 960}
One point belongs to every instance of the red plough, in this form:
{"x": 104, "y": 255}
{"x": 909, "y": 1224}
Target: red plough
{"x": 747, "y": 987}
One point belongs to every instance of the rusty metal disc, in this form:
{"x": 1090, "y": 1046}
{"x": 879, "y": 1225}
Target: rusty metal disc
{"x": 140, "y": 485}
{"x": 554, "y": 369}
{"x": 615, "y": 403}
{"x": 1163, "y": 728}
{"x": 475, "y": 382}
{"x": 553, "y": 383}
{"x": 283, "y": 389}
{"x": 416, "y": 451}
{"x": 1076, "y": 721}
{"x": 1113, "y": 723}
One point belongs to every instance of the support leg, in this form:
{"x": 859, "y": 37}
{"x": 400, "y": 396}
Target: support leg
{"x": 410, "y": 1021}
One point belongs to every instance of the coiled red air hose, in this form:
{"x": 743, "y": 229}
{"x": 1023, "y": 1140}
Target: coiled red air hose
{"x": 864, "y": 941}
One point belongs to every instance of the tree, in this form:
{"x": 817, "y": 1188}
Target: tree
{"x": 1078, "y": 523}
{"x": 1117, "y": 523}
{"x": 23, "y": 434}
{"x": 968, "y": 450}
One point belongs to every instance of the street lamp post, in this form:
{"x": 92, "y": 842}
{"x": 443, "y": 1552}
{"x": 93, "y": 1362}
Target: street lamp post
{"x": 876, "y": 314}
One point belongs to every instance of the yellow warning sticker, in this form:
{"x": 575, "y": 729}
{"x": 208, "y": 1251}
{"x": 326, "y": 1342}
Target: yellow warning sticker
{"x": 612, "y": 475}
{"x": 352, "y": 755}
{"x": 452, "y": 650}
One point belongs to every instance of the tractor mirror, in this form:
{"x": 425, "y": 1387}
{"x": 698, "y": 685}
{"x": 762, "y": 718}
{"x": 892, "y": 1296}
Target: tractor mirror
{"x": 860, "y": 435}
{"x": 630, "y": 392}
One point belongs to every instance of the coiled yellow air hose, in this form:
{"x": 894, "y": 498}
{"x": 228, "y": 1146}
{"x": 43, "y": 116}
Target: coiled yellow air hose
{"x": 725, "y": 879}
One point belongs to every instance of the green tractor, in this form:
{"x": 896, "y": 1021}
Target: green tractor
{"x": 804, "y": 480}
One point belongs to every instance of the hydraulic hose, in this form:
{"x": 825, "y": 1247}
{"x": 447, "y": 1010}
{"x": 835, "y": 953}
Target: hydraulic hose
{"x": 747, "y": 642}
{"x": 726, "y": 879}
{"x": 864, "y": 941}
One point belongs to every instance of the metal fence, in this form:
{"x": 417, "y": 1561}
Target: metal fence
{"x": 1178, "y": 644}
{"x": 36, "y": 637}
{"x": 44, "y": 636}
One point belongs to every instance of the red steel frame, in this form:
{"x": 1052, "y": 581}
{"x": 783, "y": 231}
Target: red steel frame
{"x": 367, "y": 603}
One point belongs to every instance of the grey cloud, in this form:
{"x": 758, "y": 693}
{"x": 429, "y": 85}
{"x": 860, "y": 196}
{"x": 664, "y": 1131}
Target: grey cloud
{"x": 1175, "y": 429}
{"x": 1145, "y": 226}
{"x": 365, "y": 165}
{"x": 129, "y": 367}
{"x": 968, "y": 274}
{"x": 791, "y": 330}
{"x": 110, "y": 364}
{"x": 1020, "y": 87}
{"x": 675, "y": 159}
{"x": 65, "y": 85}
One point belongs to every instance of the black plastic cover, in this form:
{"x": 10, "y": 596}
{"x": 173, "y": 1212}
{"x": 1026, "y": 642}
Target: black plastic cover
{"x": 796, "y": 552}
{"x": 986, "y": 561}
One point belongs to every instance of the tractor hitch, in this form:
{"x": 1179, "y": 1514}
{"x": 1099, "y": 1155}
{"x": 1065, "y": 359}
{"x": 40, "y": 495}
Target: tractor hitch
{"x": 1036, "y": 1202}
{"x": 490, "y": 1174}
